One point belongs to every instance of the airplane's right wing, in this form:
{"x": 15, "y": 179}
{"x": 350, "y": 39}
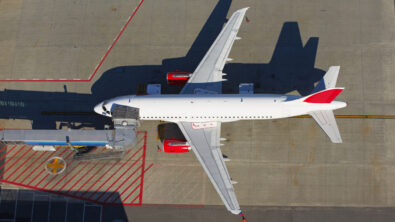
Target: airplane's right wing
{"x": 208, "y": 74}
{"x": 205, "y": 143}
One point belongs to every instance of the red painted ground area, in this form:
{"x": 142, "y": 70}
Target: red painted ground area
{"x": 97, "y": 67}
{"x": 115, "y": 182}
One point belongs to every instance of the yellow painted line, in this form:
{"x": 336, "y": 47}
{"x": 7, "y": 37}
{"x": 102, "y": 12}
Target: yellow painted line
{"x": 354, "y": 116}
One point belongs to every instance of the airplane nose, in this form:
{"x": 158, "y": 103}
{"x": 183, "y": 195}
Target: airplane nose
{"x": 98, "y": 108}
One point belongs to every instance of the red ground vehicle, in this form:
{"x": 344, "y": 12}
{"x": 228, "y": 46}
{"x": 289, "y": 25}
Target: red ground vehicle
{"x": 175, "y": 146}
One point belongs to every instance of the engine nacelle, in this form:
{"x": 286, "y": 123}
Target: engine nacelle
{"x": 175, "y": 146}
{"x": 178, "y": 77}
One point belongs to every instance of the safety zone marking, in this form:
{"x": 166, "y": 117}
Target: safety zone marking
{"x": 97, "y": 67}
{"x": 114, "y": 182}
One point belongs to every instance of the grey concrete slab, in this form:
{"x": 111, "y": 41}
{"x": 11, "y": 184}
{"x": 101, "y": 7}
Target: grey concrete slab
{"x": 287, "y": 162}
{"x": 272, "y": 213}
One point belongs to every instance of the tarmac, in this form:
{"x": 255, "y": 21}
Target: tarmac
{"x": 61, "y": 57}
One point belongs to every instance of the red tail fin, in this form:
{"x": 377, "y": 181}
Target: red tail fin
{"x": 325, "y": 96}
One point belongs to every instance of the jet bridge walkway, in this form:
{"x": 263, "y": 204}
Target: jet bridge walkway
{"x": 121, "y": 137}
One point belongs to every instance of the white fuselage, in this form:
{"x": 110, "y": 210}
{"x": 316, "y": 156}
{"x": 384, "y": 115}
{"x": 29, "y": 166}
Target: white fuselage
{"x": 216, "y": 107}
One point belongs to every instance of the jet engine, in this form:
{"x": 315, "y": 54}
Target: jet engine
{"x": 178, "y": 77}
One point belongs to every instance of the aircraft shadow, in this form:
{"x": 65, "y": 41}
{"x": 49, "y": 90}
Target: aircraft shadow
{"x": 291, "y": 68}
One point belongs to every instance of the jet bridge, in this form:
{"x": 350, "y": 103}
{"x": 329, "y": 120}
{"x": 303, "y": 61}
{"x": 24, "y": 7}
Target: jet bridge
{"x": 123, "y": 136}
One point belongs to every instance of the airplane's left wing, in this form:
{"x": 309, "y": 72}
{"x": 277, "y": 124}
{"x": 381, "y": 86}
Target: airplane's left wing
{"x": 208, "y": 75}
{"x": 204, "y": 139}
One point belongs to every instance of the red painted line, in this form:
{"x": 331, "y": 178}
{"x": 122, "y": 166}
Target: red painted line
{"x": 148, "y": 167}
{"x": 134, "y": 189}
{"x": 139, "y": 141}
{"x": 127, "y": 170}
{"x": 115, "y": 171}
{"x": 128, "y": 189}
{"x": 11, "y": 158}
{"x": 87, "y": 190}
{"x": 143, "y": 170}
{"x": 132, "y": 193}
{"x": 5, "y": 146}
{"x": 99, "y": 170}
{"x": 15, "y": 162}
{"x": 53, "y": 178}
{"x": 22, "y": 164}
{"x": 99, "y": 177}
{"x": 17, "y": 177}
{"x": 116, "y": 40}
{"x": 83, "y": 176}
{"x": 74, "y": 176}
{"x": 12, "y": 148}
{"x": 97, "y": 67}
{"x": 44, "y": 170}
{"x": 115, "y": 191}
{"x": 127, "y": 179}
{"x": 34, "y": 170}
{"x": 151, "y": 176}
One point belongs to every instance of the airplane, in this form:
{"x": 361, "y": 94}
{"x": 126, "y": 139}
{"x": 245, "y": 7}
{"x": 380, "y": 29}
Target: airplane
{"x": 200, "y": 108}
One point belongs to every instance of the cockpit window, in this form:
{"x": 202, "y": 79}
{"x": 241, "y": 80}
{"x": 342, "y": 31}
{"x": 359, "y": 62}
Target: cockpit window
{"x": 105, "y": 109}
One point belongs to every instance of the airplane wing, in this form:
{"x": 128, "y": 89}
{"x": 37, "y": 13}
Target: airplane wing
{"x": 208, "y": 74}
{"x": 205, "y": 143}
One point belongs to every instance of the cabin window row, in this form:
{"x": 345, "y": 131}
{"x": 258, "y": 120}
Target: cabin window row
{"x": 207, "y": 117}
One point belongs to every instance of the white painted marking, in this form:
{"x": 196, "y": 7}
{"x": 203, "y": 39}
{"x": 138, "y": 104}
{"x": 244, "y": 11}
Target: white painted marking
{"x": 101, "y": 209}
{"x": 49, "y": 208}
{"x": 67, "y": 205}
{"x": 204, "y": 125}
{"x": 31, "y": 215}
{"x": 43, "y": 148}
{"x": 16, "y": 203}
{"x": 83, "y": 212}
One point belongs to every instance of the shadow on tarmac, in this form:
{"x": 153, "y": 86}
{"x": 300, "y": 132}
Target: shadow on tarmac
{"x": 32, "y": 205}
{"x": 291, "y": 68}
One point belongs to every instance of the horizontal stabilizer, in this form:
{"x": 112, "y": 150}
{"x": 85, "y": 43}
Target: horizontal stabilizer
{"x": 327, "y": 122}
